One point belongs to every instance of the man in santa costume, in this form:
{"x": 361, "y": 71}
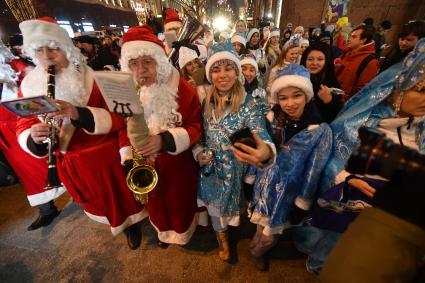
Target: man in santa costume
{"x": 172, "y": 112}
{"x": 31, "y": 171}
{"x": 172, "y": 21}
{"x": 88, "y": 158}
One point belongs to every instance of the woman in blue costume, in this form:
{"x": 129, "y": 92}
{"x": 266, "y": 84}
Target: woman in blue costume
{"x": 284, "y": 193}
{"x": 226, "y": 110}
{"x": 252, "y": 85}
{"x": 393, "y": 103}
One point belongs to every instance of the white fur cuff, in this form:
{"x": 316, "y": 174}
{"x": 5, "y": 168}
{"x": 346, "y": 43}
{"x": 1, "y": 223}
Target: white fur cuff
{"x": 102, "y": 121}
{"x": 181, "y": 139}
{"x": 23, "y": 139}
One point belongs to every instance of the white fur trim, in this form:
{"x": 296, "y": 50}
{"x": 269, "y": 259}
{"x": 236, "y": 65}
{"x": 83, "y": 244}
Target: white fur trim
{"x": 172, "y": 25}
{"x": 273, "y": 159}
{"x": 136, "y": 48}
{"x": 275, "y": 33}
{"x": 181, "y": 139}
{"x": 126, "y": 154}
{"x": 238, "y": 38}
{"x": 250, "y": 61}
{"x": 172, "y": 237}
{"x": 251, "y": 33}
{"x": 36, "y": 30}
{"x": 222, "y": 55}
{"x": 302, "y": 203}
{"x": 102, "y": 121}
{"x": 186, "y": 55}
{"x": 132, "y": 219}
{"x": 223, "y": 221}
{"x": 264, "y": 221}
{"x": 224, "y": 35}
{"x": 46, "y": 196}
{"x": 300, "y": 82}
{"x": 23, "y": 139}
{"x": 313, "y": 127}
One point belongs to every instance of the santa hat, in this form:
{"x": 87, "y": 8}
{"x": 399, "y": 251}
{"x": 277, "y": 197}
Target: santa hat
{"x": 219, "y": 52}
{"x": 141, "y": 41}
{"x": 46, "y": 32}
{"x": 186, "y": 55}
{"x": 293, "y": 75}
{"x": 203, "y": 51}
{"x": 250, "y": 60}
{"x": 251, "y": 33}
{"x": 238, "y": 37}
{"x": 172, "y": 20}
{"x": 275, "y": 32}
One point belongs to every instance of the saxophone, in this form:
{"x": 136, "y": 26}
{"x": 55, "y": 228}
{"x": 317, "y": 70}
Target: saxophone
{"x": 52, "y": 142}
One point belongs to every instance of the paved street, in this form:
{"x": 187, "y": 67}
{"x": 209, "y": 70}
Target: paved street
{"x": 75, "y": 249}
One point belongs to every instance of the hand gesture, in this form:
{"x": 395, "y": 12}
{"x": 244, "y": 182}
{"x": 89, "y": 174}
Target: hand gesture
{"x": 67, "y": 110}
{"x": 325, "y": 94}
{"x": 40, "y": 132}
{"x": 152, "y": 147}
{"x": 362, "y": 186}
{"x": 254, "y": 156}
{"x": 204, "y": 158}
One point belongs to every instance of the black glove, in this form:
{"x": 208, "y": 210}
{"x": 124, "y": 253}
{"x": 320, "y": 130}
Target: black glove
{"x": 297, "y": 215}
{"x": 128, "y": 164}
{"x": 248, "y": 190}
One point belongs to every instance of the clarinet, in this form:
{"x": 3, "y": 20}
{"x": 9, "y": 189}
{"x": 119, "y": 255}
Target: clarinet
{"x": 52, "y": 174}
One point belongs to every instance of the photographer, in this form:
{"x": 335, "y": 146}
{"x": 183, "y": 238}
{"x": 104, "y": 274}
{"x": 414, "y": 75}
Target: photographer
{"x": 394, "y": 103}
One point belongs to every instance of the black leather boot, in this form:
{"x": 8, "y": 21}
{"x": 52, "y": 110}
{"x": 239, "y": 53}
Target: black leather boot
{"x": 47, "y": 212}
{"x": 134, "y": 236}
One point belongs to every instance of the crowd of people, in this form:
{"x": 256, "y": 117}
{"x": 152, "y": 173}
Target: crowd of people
{"x": 258, "y": 118}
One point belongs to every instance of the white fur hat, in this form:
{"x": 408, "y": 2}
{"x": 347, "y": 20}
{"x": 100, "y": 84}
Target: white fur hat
{"x": 250, "y": 60}
{"x": 293, "y": 75}
{"x": 275, "y": 32}
{"x": 43, "y": 29}
{"x": 251, "y": 33}
{"x": 238, "y": 38}
{"x": 224, "y": 35}
{"x": 186, "y": 55}
{"x": 219, "y": 52}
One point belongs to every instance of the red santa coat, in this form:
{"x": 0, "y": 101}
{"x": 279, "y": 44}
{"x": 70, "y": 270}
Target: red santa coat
{"x": 31, "y": 171}
{"x": 89, "y": 164}
{"x": 172, "y": 204}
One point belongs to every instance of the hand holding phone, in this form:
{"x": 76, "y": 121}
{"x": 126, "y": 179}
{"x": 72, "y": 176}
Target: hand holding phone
{"x": 244, "y": 136}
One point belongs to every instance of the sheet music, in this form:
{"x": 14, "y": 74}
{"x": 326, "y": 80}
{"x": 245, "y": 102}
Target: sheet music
{"x": 119, "y": 92}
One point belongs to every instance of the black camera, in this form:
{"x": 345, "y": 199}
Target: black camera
{"x": 378, "y": 155}
{"x": 404, "y": 194}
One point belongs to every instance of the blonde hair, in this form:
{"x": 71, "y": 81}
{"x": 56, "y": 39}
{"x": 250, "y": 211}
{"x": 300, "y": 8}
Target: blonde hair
{"x": 237, "y": 93}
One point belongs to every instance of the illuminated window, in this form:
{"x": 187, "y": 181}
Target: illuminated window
{"x": 88, "y": 26}
{"x": 67, "y": 26}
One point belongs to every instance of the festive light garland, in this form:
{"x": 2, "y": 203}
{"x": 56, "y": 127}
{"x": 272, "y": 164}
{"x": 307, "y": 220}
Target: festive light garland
{"x": 22, "y": 9}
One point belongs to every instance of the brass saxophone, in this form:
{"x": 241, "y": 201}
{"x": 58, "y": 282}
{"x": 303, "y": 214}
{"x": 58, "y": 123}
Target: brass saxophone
{"x": 142, "y": 178}
{"x": 52, "y": 143}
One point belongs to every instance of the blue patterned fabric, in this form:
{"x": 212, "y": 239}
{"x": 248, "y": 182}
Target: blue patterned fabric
{"x": 296, "y": 173}
{"x": 220, "y": 189}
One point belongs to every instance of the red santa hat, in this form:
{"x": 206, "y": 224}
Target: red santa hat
{"x": 172, "y": 20}
{"x": 141, "y": 41}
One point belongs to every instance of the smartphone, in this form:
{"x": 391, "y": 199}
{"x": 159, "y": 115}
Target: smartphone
{"x": 244, "y": 136}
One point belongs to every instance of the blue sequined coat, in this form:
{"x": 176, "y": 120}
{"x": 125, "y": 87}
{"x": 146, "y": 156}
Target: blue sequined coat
{"x": 220, "y": 189}
{"x": 294, "y": 177}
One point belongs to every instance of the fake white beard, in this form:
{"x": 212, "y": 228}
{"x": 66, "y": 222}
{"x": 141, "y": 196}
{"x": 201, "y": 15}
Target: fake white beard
{"x": 160, "y": 107}
{"x": 69, "y": 85}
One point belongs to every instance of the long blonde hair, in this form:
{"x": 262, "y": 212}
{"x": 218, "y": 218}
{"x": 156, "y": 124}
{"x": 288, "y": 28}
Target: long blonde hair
{"x": 212, "y": 101}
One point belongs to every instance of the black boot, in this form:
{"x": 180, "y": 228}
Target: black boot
{"x": 47, "y": 212}
{"x": 162, "y": 245}
{"x": 134, "y": 236}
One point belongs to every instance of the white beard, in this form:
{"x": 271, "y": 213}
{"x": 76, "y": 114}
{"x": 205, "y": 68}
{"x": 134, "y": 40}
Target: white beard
{"x": 69, "y": 85}
{"x": 160, "y": 107}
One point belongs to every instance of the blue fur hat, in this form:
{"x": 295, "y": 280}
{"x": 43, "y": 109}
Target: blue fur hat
{"x": 293, "y": 75}
{"x": 219, "y": 52}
